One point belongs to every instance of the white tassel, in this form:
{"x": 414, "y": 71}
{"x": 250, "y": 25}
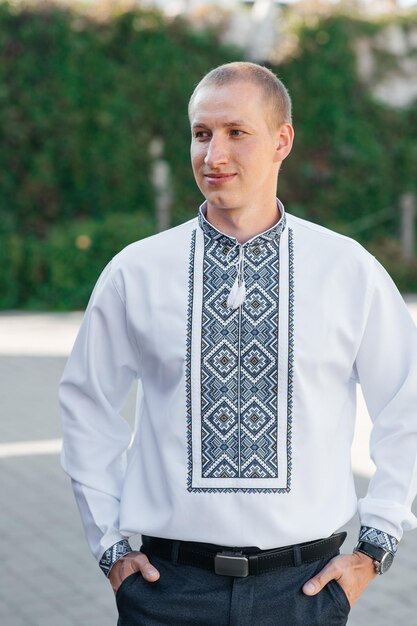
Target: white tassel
{"x": 241, "y": 295}
{"x": 233, "y": 294}
{"x": 237, "y": 295}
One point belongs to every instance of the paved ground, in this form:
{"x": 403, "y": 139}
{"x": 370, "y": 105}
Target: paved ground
{"x": 47, "y": 577}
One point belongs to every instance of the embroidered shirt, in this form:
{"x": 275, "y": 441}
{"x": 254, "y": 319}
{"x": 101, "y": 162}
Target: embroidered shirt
{"x": 245, "y": 414}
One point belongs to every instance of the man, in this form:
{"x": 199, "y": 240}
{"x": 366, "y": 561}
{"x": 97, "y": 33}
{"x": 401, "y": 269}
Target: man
{"x": 248, "y": 330}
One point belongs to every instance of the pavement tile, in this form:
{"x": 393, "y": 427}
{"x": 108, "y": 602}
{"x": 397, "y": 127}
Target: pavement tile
{"x": 12, "y": 619}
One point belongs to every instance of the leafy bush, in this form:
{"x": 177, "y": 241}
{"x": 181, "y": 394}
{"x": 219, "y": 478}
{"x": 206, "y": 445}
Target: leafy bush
{"x": 63, "y": 269}
{"x": 352, "y": 155}
{"x": 11, "y": 274}
{"x": 388, "y": 251}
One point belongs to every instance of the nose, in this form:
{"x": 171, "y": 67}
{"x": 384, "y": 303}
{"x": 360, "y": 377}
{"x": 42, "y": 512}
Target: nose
{"x": 216, "y": 152}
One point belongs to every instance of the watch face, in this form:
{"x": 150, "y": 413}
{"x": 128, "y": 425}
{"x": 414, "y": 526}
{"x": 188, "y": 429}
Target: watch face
{"x": 385, "y": 562}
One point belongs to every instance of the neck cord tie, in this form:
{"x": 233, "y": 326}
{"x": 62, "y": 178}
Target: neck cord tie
{"x": 237, "y": 295}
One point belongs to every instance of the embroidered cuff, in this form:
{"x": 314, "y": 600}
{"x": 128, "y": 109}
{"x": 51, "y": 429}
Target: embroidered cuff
{"x": 379, "y": 538}
{"x": 113, "y": 554}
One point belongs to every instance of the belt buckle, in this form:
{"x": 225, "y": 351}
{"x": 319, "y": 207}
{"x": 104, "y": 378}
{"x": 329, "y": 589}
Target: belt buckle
{"x": 231, "y": 564}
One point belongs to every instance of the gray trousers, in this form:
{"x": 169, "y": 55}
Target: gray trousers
{"x": 189, "y": 596}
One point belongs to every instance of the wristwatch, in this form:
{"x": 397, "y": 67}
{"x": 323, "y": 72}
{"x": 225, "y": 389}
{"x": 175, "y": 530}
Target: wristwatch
{"x": 382, "y": 558}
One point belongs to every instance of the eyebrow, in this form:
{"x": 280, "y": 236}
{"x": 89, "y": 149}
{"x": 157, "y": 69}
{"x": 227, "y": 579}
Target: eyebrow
{"x": 226, "y": 124}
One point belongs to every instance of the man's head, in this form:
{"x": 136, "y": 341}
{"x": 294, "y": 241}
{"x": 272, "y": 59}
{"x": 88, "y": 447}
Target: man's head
{"x": 240, "y": 116}
{"x": 275, "y": 95}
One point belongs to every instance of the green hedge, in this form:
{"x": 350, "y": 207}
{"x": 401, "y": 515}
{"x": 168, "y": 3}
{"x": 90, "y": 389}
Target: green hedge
{"x": 11, "y": 270}
{"x": 352, "y": 156}
{"x": 82, "y": 98}
{"x": 59, "y": 272}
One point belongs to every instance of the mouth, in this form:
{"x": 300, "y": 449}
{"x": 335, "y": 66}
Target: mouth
{"x": 218, "y": 179}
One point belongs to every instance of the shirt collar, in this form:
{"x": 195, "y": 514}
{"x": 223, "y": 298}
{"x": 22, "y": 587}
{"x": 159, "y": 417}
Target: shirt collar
{"x": 268, "y": 235}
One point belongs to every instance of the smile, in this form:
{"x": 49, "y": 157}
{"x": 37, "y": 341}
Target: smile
{"x": 218, "y": 179}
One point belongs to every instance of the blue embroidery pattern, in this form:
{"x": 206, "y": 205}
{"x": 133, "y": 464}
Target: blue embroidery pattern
{"x": 113, "y": 554}
{"x": 290, "y": 352}
{"x": 379, "y": 538}
{"x": 239, "y": 363}
{"x": 188, "y": 357}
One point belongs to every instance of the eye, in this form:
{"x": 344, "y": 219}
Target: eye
{"x": 235, "y": 132}
{"x": 200, "y": 134}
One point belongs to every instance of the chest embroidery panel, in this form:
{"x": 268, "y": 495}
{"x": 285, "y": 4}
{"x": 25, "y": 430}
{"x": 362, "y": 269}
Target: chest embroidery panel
{"x": 239, "y": 374}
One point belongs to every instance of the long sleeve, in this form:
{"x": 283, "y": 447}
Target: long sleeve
{"x": 386, "y": 366}
{"x": 94, "y": 386}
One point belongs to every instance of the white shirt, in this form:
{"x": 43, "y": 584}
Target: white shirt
{"x": 245, "y": 416}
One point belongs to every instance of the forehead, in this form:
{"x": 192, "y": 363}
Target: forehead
{"x": 236, "y": 101}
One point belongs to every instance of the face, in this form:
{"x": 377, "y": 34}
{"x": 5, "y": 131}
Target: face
{"x": 235, "y": 154}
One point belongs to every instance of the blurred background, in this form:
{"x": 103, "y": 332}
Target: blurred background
{"x": 94, "y": 154}
{"x": 94, "y": 136}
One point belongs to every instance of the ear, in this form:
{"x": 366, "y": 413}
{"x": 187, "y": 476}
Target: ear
{"x": 284, "y": 139}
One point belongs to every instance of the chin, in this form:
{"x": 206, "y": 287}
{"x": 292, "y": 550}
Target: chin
{"x": 220, "y": 206}
{"x": 219, "y": 201}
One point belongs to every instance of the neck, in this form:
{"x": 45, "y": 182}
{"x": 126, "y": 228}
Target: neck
{"x": 243, "y": 225}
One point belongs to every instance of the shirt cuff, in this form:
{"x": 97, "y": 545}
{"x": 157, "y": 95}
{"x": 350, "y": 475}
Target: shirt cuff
{"x": 113, "y": 554}
{"x": 379, "y": 538}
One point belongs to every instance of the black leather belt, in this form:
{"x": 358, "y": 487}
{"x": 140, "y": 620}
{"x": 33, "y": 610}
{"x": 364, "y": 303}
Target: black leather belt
{"x": 240, "y": 562}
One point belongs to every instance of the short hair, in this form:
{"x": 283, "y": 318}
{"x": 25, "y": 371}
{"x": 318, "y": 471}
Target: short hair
{"x": 274, "y": 91}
